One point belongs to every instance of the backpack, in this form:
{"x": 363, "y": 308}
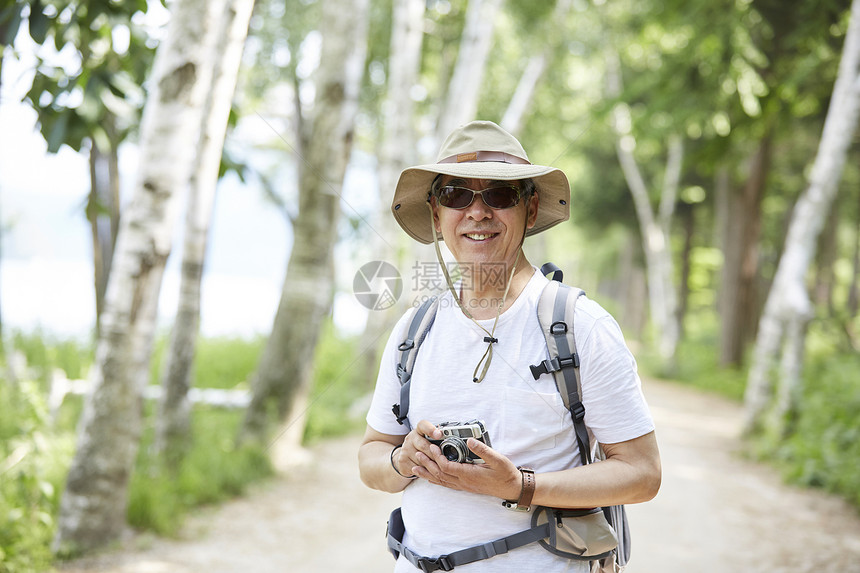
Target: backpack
{"x": 600, "y": 535}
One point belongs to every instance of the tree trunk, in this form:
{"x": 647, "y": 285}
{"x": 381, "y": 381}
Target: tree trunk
{"x": 92, "y": 509}
{"x": 461, "y": 102}
{"x": 739, "y": 298}
{"x": 788, "y": 306}
{"x": 854, "y": 288}
{"x": 285, "y": 370}
{"x": 634, "y": 287}
{"x": 103, "y": 211}
{"x": 655, "y": 229}
{"x": 173, "y": 426}
{"x": 512, "y": 120}
{"x": 827, "y": 254}
{"x": 688, "y": 217}
{"x": 397, "y": 152}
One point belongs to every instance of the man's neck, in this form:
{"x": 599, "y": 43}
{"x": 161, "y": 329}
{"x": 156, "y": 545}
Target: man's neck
{"x": 483, "y": 295}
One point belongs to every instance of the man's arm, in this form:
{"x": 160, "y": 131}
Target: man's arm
{"x": 631, "y": 473}
{"x": 375, "y": 459}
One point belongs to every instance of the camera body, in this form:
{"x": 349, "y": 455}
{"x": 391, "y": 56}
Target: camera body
{"x": 453, "y": 442}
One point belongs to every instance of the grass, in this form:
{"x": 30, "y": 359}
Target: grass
{"x": 214, "y": 469}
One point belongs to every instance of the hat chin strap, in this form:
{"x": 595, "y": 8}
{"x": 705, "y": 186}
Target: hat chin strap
{"x": 487, "y": 358}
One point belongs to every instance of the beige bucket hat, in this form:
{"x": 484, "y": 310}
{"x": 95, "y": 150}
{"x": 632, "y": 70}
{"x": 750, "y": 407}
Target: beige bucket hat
{"x": 479, "y": 150}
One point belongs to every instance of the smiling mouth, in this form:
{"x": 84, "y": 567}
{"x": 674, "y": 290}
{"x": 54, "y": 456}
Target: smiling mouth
{"x": 480, "y": 236}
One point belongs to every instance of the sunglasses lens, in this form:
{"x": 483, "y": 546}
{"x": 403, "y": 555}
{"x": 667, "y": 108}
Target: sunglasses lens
{"x": 503, "y": 197}
{"x": 455, "y": 197}
{"x": 500, "y": 197}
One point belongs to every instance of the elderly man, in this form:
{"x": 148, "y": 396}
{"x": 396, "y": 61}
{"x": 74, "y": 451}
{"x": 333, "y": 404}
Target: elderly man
{"x": 483, "y": 197}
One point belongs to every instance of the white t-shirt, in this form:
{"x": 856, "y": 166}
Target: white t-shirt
{"x": 525, "y": 418}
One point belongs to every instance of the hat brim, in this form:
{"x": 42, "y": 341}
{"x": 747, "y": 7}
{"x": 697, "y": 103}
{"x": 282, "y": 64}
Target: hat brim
{"x": 413, "y": 188}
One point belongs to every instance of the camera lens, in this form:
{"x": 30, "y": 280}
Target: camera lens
{"x": 454, "y": 449}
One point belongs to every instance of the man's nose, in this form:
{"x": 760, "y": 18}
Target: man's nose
{"x": 478, "y": 209}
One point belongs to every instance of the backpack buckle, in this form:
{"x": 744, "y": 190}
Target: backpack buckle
{"x": 545, "y": 367}
{"x": 407, "y": 344}
{"x": 572, "y": 360}
{"x": 428, "y": 565}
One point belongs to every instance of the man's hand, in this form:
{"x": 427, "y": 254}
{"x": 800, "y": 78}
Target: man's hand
{"x": 497, "y": 476}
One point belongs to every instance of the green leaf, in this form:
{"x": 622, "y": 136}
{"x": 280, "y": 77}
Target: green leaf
{"x": 57, "y": 131}
{"x": 10, "y": 21}
{"x": 39, "y": 23}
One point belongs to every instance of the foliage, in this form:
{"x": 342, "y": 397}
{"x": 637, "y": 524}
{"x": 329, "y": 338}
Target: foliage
{"x": 221, "y": 362}
{"x": 337, "y": 386}
{"x": 43, "y": 352}
{"x": 823, "y": 446}
{"x": 93, "y": 58}
{"x": 697, "y": 363}
{"x": 36, "y": 449}
{"x": 33, "y": 462}
{"x": 214, "y": 470}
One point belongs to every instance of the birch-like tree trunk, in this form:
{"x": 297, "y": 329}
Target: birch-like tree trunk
{"x": 93, "y": 506}
{"x": 461, "y": 101}
{"x": 788, "y": 308}
{"x": 397, "y": 151}
{"x": 173, "y": 426}
{"x": 512, "y": 120}
{"x": 284, "y": 373}
{"x": 655, "y": 227}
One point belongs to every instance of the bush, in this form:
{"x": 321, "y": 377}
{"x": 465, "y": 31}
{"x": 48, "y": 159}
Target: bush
{"x": 824, "y": 448}
{"x": 697, "y": 366}
{"x": 213, "y": 470}
{"x": 338, "y": 383}
{"x": 33, "y": 464}
{"x": 222, "y": 362}
{"x": 43, "y": 354}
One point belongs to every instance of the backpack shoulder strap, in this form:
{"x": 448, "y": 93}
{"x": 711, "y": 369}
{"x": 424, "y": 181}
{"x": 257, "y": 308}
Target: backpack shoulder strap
{"x": 555, "y": 311}
{"x": 419, "y": 326}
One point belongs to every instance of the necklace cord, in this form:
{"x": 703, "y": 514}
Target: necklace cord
{"x": 490, "y": 339}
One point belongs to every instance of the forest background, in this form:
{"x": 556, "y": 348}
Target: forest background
{"x": 712, "y": 154}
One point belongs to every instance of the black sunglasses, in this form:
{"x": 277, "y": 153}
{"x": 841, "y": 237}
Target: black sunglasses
{"x": 498, "y": 196}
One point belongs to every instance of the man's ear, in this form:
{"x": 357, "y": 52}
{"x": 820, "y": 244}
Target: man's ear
{"x": 434, "y": 207}
{"x": 532, "y": 210}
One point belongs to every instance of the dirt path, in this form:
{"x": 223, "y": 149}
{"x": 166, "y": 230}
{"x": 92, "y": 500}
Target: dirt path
{"x": 715, "y": 512}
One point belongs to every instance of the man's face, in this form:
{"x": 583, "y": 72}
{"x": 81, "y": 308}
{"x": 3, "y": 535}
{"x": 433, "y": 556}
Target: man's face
{"x": 478, "y": 233}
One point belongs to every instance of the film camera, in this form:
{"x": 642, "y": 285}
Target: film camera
{"x": 454, "y": 436}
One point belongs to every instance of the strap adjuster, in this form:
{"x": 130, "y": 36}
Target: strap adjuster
{"x": 578, "y": 410}
{"x": 428, "y": 565}
{"x": 396, "y": 409}
{"x": 407, "y": 344}
{"x": 403, "y": 374}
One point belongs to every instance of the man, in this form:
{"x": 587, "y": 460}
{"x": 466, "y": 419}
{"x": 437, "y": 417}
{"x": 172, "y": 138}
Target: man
{"x": 483, "y": 197}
